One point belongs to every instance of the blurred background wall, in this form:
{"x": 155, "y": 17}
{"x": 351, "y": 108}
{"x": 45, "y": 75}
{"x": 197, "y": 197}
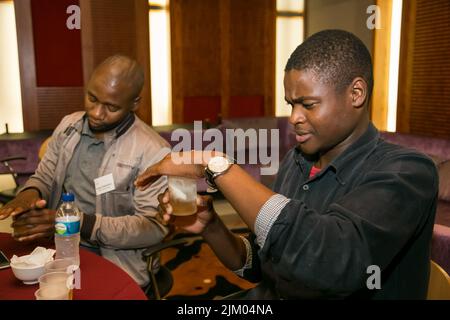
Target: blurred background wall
{"x": 213, "y": 59}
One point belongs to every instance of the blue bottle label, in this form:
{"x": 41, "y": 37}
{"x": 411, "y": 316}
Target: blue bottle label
{"x": 64, "y": 228}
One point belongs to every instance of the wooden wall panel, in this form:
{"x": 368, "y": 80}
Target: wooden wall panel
{"x": 381, "y": 55}
{"x": 57, "y": 102}
{"x": 252, "y": 50}
{"x": 424, "y": 86}
{"x": 35, "y": 35}
{"x": 27, "y": 64}
{"x": 176, "y": 45}
{"x": 269, "y": 58}
{"x": 222, "y": 48}
{"x": 247, "y": 49}
{"x": 109, "y": 36}
{"x": 201, "y": 47}
{"x": 112, "y": 27}
{"x": 196, "y": 54}
{"x": 225, "y": 56}
{"x": 57, "y": 48}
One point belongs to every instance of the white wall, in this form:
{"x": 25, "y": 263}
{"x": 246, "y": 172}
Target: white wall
{"x": 10, "y": 94}
{"x": 348, "y": 15}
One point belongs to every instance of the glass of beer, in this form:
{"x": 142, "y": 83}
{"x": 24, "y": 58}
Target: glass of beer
{"x": 183, "y": 194}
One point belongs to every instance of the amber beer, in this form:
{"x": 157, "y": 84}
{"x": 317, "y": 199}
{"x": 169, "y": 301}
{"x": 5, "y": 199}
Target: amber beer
{"x": 183, "y": 194}
{"x": 181, "y": 208}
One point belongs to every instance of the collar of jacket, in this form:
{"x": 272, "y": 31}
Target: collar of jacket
{"x": 362, "y": 145}
{"x": 125, "y": 124}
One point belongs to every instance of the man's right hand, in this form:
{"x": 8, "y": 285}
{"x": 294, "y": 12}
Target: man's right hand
{"x": 196, "y": 223}
{"x": 23, "y": 202}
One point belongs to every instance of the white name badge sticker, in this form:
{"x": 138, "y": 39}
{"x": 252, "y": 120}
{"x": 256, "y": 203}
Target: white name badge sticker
{"x": 104, "y": 184}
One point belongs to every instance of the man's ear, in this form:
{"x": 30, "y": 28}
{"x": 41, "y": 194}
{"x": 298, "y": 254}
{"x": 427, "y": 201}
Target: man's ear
{"x": 136, "y": 102}
{"x": 358, "y": 92}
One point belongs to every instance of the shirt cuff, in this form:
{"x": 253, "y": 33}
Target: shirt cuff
{"x": 248, "y": 261}
{"x": 267, "y": 215}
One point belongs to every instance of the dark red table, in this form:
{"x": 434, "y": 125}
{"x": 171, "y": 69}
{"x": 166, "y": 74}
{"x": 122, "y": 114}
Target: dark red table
{"x": 100, "y": 278}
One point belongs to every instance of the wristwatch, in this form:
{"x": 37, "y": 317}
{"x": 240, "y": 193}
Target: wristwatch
{"x": 217, "y": 166}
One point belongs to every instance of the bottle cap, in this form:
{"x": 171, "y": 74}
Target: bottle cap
{"x": 68, "y": 197}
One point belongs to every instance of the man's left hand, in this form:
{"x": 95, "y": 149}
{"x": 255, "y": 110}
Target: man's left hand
{"x": 190, "y": 164}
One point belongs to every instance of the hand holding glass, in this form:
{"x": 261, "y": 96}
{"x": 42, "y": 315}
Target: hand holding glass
{"x": 183, "y": 195}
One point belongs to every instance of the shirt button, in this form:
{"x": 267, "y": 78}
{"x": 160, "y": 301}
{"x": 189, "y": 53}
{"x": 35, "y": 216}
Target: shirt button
{"x": 306, "y": 187}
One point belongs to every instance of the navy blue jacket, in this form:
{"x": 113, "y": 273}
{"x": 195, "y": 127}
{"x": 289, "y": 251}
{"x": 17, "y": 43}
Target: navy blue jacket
{"x": 374, "y": 205}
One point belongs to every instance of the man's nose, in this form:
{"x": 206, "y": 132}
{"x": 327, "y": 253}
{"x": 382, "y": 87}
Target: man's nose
{"x": 99, "y": 111}
{"x": 297, "y": 115}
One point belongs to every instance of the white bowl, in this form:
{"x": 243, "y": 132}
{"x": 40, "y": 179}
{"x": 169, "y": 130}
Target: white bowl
{"x": 29, "y": 275}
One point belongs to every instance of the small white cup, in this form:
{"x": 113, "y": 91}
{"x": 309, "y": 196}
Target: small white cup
{"x": 52, "y": 292}
{"x": 58, "y": 265}
{"x": 57, "y": 279}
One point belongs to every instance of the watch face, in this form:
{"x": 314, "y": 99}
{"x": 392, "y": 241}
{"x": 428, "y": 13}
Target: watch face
{"x": 218, "y": 164}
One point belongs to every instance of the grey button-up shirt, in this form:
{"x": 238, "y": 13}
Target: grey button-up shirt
{"x": 84, "y": 168}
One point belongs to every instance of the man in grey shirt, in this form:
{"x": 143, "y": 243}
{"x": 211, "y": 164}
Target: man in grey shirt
{"x": 109, "y": 141}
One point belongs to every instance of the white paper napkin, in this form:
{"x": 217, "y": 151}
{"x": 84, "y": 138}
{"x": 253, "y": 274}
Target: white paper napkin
{"x": 38, "y": 257}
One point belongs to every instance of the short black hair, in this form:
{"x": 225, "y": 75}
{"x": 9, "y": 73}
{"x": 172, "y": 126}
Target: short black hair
{"x": 336, "y": 57}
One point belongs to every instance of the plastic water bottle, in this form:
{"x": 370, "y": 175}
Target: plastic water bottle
{"x": 67, "y": 229}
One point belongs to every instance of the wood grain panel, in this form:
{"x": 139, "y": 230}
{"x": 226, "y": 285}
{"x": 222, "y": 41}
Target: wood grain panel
{"x": 222, "y": 48}
{"x": 225, "y": 36}
{"x": 43, "y": 107}
{"x": 176, "y": 44}
{"x": 102, "y": 36}
{"x": 252, "y": 50}
{"x": 424, "y": 98}
{"x": 143, "y": 56}
{"x": 382, "y": 40}
{"x": 201, "y": 47}
{"x": 57, "y": 102}
{"x": 117, "y": 27}
{"x": 110, "y": 36}
{"x": 57, "y": 48}
{"x": 197, "y": 51}
{"x": 247, "y": 49}
{"x": 27, "y": 64}
{"x": 405, "y": 66}
{"x": 269, "y": 58}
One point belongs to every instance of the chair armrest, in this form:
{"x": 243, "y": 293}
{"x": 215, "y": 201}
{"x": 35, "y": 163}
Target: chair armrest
{"x": 13, "y": 158}
{"x": 184, "y": 240}
{"x": 168, "y": 244}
